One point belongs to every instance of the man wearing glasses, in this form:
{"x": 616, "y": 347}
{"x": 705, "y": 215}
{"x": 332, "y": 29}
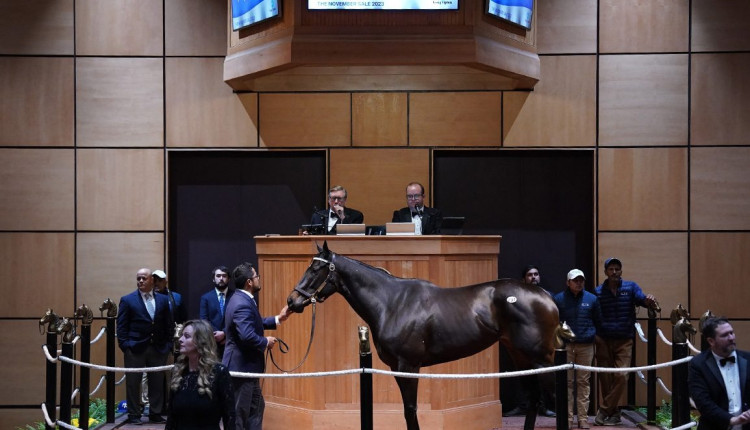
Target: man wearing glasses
{"x": 426, "y": 220}
{"x": 337, "y": 212}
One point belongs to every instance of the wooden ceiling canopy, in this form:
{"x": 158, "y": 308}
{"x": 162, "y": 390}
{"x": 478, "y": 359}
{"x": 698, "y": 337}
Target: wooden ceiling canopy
{"x": 310, "y": 50}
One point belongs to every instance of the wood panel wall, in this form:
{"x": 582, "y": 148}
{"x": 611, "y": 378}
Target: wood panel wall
{"x": 94, "y": 95}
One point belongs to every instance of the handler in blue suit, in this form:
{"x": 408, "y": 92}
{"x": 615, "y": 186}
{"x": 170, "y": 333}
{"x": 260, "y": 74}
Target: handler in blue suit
{"x": 144, "y": 333}
{"x": 246, "y": 344}
{"x": 718, "y": 380}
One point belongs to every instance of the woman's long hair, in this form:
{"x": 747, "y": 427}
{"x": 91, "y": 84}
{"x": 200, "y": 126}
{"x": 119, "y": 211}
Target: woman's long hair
{"x": 203, "y": 339}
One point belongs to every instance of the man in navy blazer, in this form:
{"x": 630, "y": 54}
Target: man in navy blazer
{"x": 144, "y": 333}
{"x": 246, "y": 345}
{"x": 210, "y": 306}
{"x": 427, "y": 220}
{"x": 718, "y": 380}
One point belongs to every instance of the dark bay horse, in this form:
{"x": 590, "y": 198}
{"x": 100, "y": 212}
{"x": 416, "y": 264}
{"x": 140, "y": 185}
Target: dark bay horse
{"x": 414, "y": 323}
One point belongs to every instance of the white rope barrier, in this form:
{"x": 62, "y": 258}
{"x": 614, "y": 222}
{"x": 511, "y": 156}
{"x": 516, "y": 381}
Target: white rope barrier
{"x": 685, "y": 426}
{"x": 99, "y": 385}
{"x": 99, "y": 336}
{"x": 663, "y": 338}
{"x": 692, "y": 348}
{"x": 75, "y": 393}
{"x": 658, "y": 380}
{"x": 58, "y": 422}
{"x": 639, "y": 329}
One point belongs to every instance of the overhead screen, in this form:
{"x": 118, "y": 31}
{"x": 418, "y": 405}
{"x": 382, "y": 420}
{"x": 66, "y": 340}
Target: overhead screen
{"x": 249, "y": 12}
{"x": 382, "y": 5}
{"x": 518, "y": 12}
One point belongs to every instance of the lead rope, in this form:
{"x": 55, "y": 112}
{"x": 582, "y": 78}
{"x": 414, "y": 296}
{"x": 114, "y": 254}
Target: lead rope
{"x": 284, "y": 348}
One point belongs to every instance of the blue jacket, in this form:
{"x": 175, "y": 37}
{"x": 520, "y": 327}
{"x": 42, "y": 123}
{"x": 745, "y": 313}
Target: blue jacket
{"x": 618, "y": 311}
{"x": 135, "y": 328}
{"x": 210, "y": 310}
{"x": 582, "y": 313}
{"x": 243, "y": 326}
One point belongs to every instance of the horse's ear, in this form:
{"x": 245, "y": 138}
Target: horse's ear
{"x": 325, "y": 247}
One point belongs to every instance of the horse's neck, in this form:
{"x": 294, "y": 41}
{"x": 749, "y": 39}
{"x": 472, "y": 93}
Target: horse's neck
{"x": 366, "y": 291}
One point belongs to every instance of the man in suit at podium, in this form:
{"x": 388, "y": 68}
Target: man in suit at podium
{"x": 337, "y": 212}
{"x": 214, "y": 302}
{"x": 427, "y": 220}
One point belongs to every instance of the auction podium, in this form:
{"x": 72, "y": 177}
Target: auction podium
{"x": 332, "y": 402}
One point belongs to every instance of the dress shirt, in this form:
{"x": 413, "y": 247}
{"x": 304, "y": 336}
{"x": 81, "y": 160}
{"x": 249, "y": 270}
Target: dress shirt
{"x": 731, "y": 375}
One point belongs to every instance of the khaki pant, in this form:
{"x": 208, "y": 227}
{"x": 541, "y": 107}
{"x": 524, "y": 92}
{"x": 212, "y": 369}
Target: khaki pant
{"x": 613, "y": 353}
{"x": 579, "y": 353}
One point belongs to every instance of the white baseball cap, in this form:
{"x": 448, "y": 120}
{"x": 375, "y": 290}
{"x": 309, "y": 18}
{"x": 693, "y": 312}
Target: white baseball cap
{"x": 574, "y": 274}
{"x": 159, "y": 274}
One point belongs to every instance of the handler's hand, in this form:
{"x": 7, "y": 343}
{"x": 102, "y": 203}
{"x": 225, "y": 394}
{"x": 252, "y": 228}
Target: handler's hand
{"x": 271, "y": 342}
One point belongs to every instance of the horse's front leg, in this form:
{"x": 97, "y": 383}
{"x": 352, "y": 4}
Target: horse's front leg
{"x": 408, "y": 387}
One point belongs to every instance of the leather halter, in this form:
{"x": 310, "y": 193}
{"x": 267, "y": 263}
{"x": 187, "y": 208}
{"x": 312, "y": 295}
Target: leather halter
{"x": 313, "y": 297}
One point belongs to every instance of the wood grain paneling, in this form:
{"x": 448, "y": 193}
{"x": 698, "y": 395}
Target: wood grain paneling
{"x": 23, "y": 371}
{"x": 106, "y": 263}
{"x": 379, "y": 119}
{"x": 120, "y": 189}
{"x": 37, "y": 101}
{"x": 720, "y": 28}
{"x": 119, "y": 102}
{"x": 658, "y": 262}
{"x": 36, "y": 189}
{"x": 566, "y": 26}
{"x": 720, "y": 99}
{"x": 375, "y": 179}
{"x": 643, "y": 25}
{"x": 195, "y": 27}
{"x": 715, "y": 261}
{"x": 42, "y": 260}
{"x": 643, "y": 189}
{"x": 561, "y": 111}
{"x": 720, "y": 188}
{"x": 36, "y": 27}
{"x": 454, "y": 119}
{"x": 119, "y": 27}
{"x": 202, "y": 111}
{"x": 305, "y": 120}
{"x": 643, "y": 100}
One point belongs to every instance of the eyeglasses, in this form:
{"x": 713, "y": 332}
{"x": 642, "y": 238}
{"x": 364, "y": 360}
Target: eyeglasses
{"x": 337, "y": 198}
{"x": 414, "y": 196}
{"x": 256, "y": 276}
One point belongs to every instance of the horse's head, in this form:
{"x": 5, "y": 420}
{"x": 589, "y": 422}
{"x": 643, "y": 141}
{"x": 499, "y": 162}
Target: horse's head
{"x": 317, "y": 283}
{"x": 110, "y": 307}
{"x": 84, "y": 314}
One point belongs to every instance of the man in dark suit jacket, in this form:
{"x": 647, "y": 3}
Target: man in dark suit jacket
{"x": 718, "y": 380}
{"x": 427, "y": 220}
{"x": 246, "y": 345}
{"x": 211, "y": 308}
{"x": 337, "y": 212}
{"x": 144, "y": 333}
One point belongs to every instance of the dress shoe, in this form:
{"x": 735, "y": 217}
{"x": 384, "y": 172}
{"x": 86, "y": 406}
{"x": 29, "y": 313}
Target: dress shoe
{"x": 546, "y": 412}
{"x": 583, "y": 424}
{"x": 614, "y": 420}
{"x": 516, "y": 412}
{"x": 133, "y": 421}
{"x": 156, "y": 419}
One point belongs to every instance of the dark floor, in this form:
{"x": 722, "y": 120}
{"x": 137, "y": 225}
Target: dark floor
{"x": 629, "y": 421}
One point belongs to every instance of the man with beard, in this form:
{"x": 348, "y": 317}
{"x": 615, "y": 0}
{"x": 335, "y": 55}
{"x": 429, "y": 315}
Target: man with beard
{"x": 614, "y": 342}
{"x": 246, "y": 344}
{"x": 213, "y": 304}
{"x": 718, "y": 380}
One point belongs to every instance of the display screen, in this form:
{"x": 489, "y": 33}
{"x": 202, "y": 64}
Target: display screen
{"x": 249, "y": 12}
{"x": 382, "y": 4}
{"x": 516, "y": 11}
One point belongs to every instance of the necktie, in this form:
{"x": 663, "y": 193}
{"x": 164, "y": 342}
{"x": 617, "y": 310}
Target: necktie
{"x": 221, "y": 303}
{"x": 150, "y": 305}
{"x": 724, "y": 361}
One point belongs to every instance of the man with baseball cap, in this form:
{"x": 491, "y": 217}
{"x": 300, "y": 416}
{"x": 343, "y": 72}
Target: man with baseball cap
{"x": 581, "y": 310}
{"x": 614, "y": 342}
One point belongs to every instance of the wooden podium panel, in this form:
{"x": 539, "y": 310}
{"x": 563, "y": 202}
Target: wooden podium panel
{"x": 332, "y": 402}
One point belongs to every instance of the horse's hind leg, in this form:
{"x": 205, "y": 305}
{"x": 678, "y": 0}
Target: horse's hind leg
{"x": 532, "y": 385}
{"x": 408, "y": 388}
